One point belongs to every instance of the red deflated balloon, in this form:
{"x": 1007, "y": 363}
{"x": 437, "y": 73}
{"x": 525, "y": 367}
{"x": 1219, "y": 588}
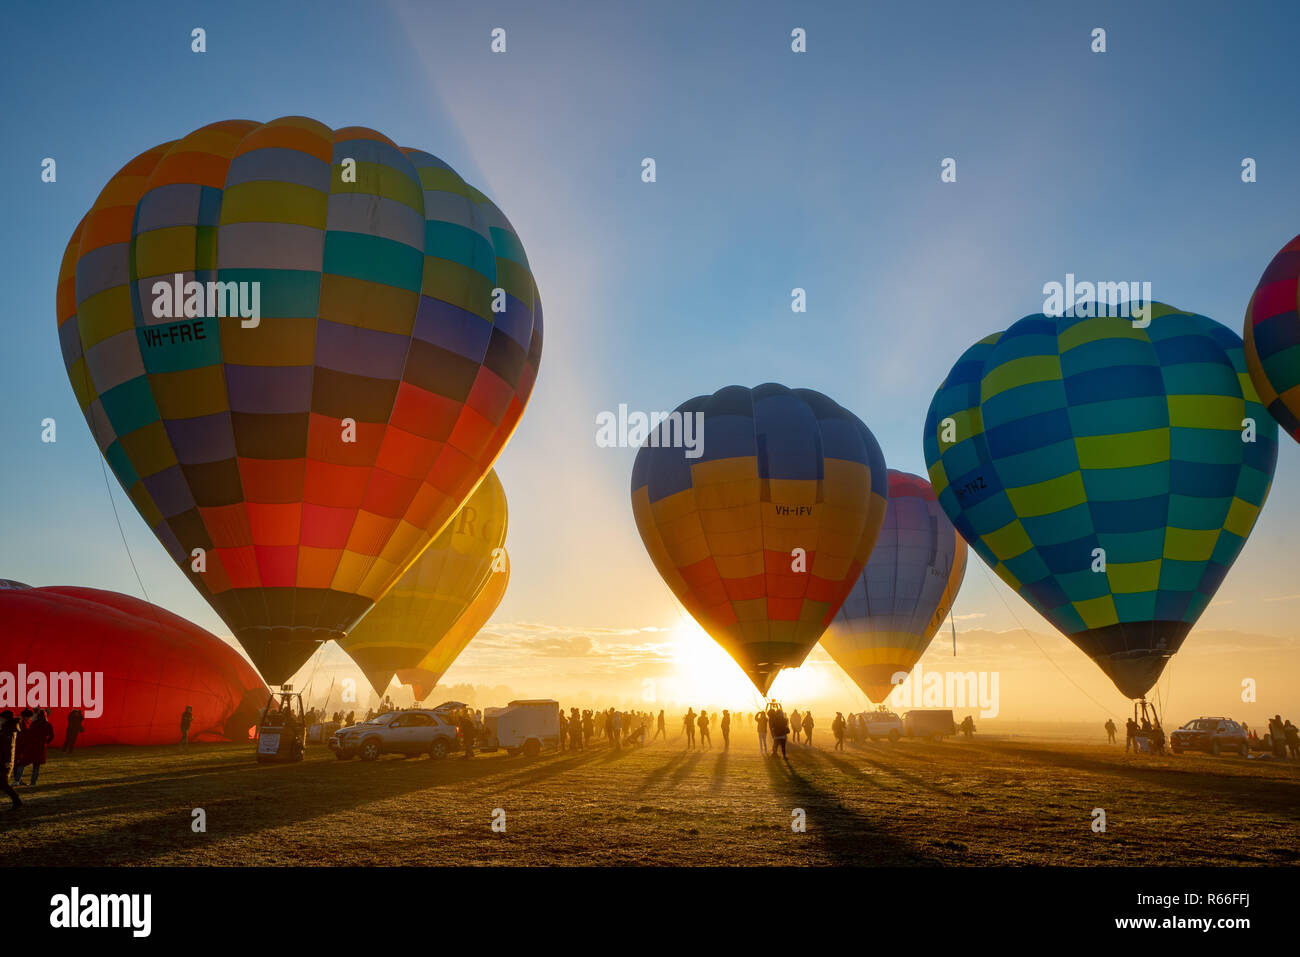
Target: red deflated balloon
{"x": 141, "y": 664}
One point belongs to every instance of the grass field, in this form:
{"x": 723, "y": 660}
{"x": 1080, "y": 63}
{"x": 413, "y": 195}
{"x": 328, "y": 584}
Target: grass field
{"x": 986, "y": 801}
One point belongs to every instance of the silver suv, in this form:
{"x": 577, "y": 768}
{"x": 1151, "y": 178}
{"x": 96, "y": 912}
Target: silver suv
{"x": 883, "y": 724}
{"x": 397, "y": 732}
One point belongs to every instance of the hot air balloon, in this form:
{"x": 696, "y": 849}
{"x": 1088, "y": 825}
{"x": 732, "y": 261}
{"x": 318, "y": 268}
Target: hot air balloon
{"x": 903, "y": 595}
{"x": 426, "y": 675}
{"x": 1272, "y": 338}
{"x": 434, "y": 592}
{"x": 152, "y": 665}
{"x": 778, "y": 471}
{"x": 1108, "y": 473}
{"x": 300, "y": 350}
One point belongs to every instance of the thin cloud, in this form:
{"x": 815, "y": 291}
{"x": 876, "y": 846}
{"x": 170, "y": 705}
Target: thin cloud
{"x": 577, "y": 646}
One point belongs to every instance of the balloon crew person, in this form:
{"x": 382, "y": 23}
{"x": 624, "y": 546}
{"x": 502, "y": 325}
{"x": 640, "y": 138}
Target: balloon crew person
{"x": 8, "y": 755}
{"x": 76, "y": 722}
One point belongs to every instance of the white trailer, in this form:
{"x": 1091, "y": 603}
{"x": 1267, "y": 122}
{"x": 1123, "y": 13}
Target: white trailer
{"x": 528, "y": 726}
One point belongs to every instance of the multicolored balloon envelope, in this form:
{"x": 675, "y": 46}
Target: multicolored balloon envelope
{"x": 426, "y": 675}
{"x": 1272, "y": 338}
{"x": 153, "y": 664}
{"x": 779, "y": 474}
{"x": 1108, "y": 473}
{"x": 299, "y": 349}
{"x": 417, "y": 612}
{"x": 903, "y": 595}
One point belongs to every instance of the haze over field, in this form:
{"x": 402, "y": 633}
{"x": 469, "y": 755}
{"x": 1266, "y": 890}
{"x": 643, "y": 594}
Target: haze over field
{"x": 1041, "y": 677}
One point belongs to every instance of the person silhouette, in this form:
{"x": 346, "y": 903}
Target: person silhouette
{"x": 8, "y": 755}
{"x": 779, "y": 725}
{"x": 76, "y": 724}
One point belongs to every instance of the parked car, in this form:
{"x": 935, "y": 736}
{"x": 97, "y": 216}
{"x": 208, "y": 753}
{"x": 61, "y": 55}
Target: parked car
{"x": 397, "y": 732}
{"x": 936, "y": 724}
{"x": 1211, "y": 735}
{"x": 883, "y": 724}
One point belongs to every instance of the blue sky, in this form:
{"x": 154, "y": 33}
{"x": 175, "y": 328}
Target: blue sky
{"x": 775, "y": 170}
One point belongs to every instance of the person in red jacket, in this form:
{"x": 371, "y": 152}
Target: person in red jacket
{"x": 32, "y": 740}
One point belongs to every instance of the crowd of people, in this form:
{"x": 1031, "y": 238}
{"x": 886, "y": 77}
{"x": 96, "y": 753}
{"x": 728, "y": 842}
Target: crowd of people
{"x": 620, "y": 729}
{"x": 580, "y": 727}
{"x": 23, "y": 740}
{"x": 1133, "y": 729}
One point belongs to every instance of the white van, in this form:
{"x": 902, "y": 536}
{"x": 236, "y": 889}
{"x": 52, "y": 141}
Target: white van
{"x": 528, "y": 726}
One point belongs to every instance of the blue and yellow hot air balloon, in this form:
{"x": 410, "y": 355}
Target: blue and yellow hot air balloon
{"x": 903, "y": 595}
{"x": 1108, "y": 472}
{"x": 778, "y": 470}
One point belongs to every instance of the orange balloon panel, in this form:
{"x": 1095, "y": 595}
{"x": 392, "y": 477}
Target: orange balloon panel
{"x": 761, "y": 529}
{"x": 436, "y": 590}
{"x": 301, "y": 373}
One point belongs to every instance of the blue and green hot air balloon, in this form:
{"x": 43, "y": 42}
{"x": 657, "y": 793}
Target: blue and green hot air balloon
{"x": 1108, "y": 472}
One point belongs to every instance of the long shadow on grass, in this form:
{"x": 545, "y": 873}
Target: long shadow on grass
{"x": 662, "y": 772}
{"x": 854, "y": 773}
{"x": 845, "y": 835}
{"x": 242, "y": 798}
{"x": 719, "y": 771}
{"x": 542, "y": 771}
{"x": 907, "y": 777}
{"x": 1244, "y": 790}
{"x": 684, "y": 769}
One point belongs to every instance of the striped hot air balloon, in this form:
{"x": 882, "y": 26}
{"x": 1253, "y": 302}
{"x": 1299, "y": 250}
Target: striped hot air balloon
{"x": 779, "y": 470}
{"x": 310, "y": 452}
{"x": 903, "y": 595}
{"x": 415, "y": 615}
{"x": 1272, "y": 338}
{"x": 426, "y": 675}
{"x": 1108, "y": 473}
